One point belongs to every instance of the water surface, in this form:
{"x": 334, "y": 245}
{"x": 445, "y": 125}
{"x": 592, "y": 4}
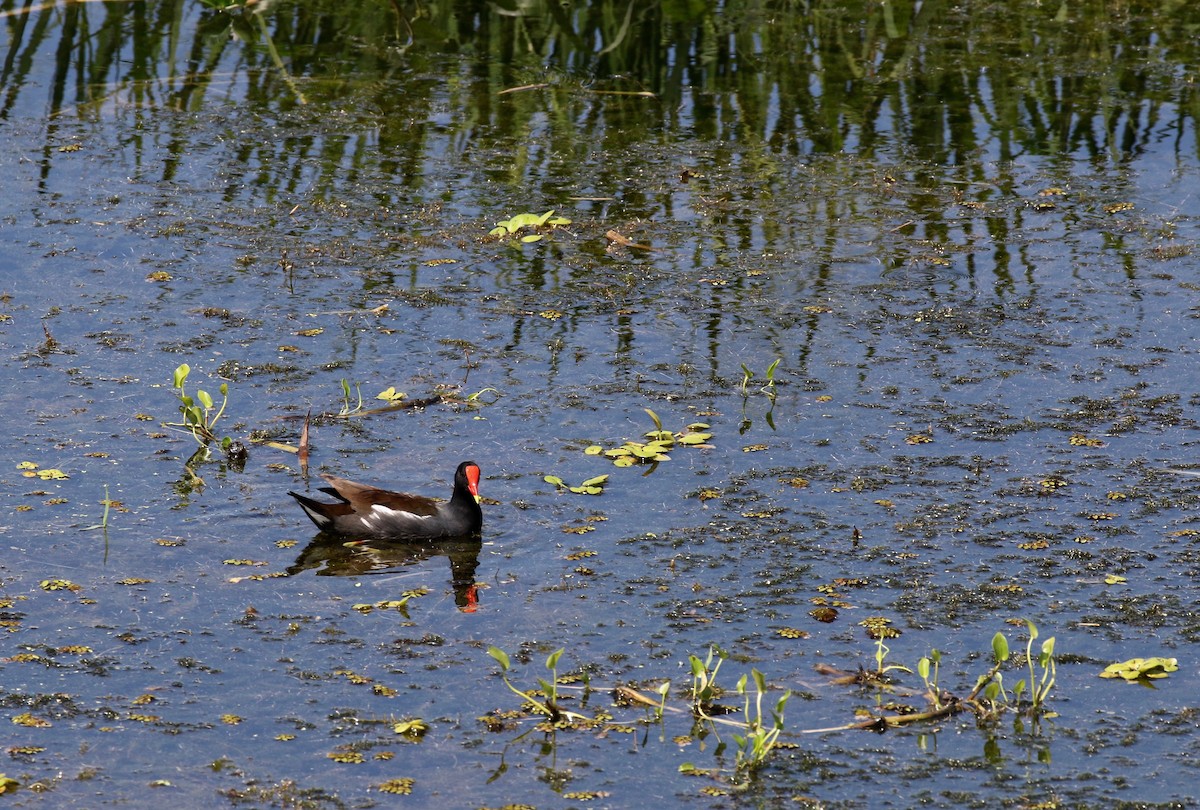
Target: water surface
{"x": 966, "y": 236}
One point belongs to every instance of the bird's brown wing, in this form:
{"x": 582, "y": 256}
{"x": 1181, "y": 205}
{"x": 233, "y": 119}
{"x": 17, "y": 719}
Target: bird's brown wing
{"x": 362, "y": 497}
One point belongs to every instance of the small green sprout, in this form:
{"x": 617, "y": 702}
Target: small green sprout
{"x": 347, "y": 408}
{"x": 197, "y": 412}
{"x": 704, "y": 680}
{"x": 768, "y": 388}
{"x": 760, "y": 738}
{"x": 549, "y": 688}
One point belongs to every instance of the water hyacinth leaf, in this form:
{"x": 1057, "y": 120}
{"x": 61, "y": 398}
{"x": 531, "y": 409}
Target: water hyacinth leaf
{"x": 533, "y": 237}
{"x": 552, "y": 659}
{"x": 181, "y": 375}
{"x": 593, "y": 450}
{"x": 625, "y": 461}
{"x": 599, "y": 480}
{"x": 553, "y": 479}
{"x": 205, "y": 399}
{"x": 694, "y": 438}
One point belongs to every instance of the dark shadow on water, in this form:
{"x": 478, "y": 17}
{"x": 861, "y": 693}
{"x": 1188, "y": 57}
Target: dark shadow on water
{"x": 330, "y": 556}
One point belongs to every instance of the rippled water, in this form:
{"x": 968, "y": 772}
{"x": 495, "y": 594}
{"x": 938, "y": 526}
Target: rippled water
{"x": 968, "y": 244}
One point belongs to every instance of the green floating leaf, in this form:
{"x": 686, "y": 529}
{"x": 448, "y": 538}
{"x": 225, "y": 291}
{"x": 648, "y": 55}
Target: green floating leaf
{"x": 390, "y": 394}
{"x": 1137, "y": 668}
{"x": 553, "y": 479}
{"x": 593, "y": 450}
{"x": 595, "y": 482}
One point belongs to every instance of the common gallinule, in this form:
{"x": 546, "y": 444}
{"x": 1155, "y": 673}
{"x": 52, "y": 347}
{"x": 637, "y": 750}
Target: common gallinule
{"x": 367, "y": 512}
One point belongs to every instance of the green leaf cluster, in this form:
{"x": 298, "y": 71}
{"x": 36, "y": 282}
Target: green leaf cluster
{"x": 198, "y": 414}
{"x": 592, "y": 486}
{"x": 760, "y": 737}
{"x": 1136, "y": 669}
{"x": 547, "y": 686}
{"x": 659, "y": 443}
{"x": 529, "y": 222}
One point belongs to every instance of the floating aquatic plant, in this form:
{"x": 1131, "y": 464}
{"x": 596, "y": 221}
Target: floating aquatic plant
{"x": 659, "y": 443}
{"x": 988, "y": 699}
{"x": 30, "y": 470}
{"x": 592, "y": 486}
{"x": 536, "y": 226}
{"x": 1136, "y": 669}
{"x": 761, "y": 737}
{"x": 198, "y": 414}
{"x": 549, "y": 688}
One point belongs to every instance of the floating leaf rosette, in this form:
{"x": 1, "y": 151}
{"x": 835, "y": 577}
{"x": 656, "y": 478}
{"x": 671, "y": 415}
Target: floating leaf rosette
{"x": 659, "y": 443}
{"x": 1136, "y": 669}
{"x": 535, "y": 225}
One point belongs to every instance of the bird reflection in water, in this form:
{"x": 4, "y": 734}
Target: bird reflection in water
{"x": 335, "y": 558}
